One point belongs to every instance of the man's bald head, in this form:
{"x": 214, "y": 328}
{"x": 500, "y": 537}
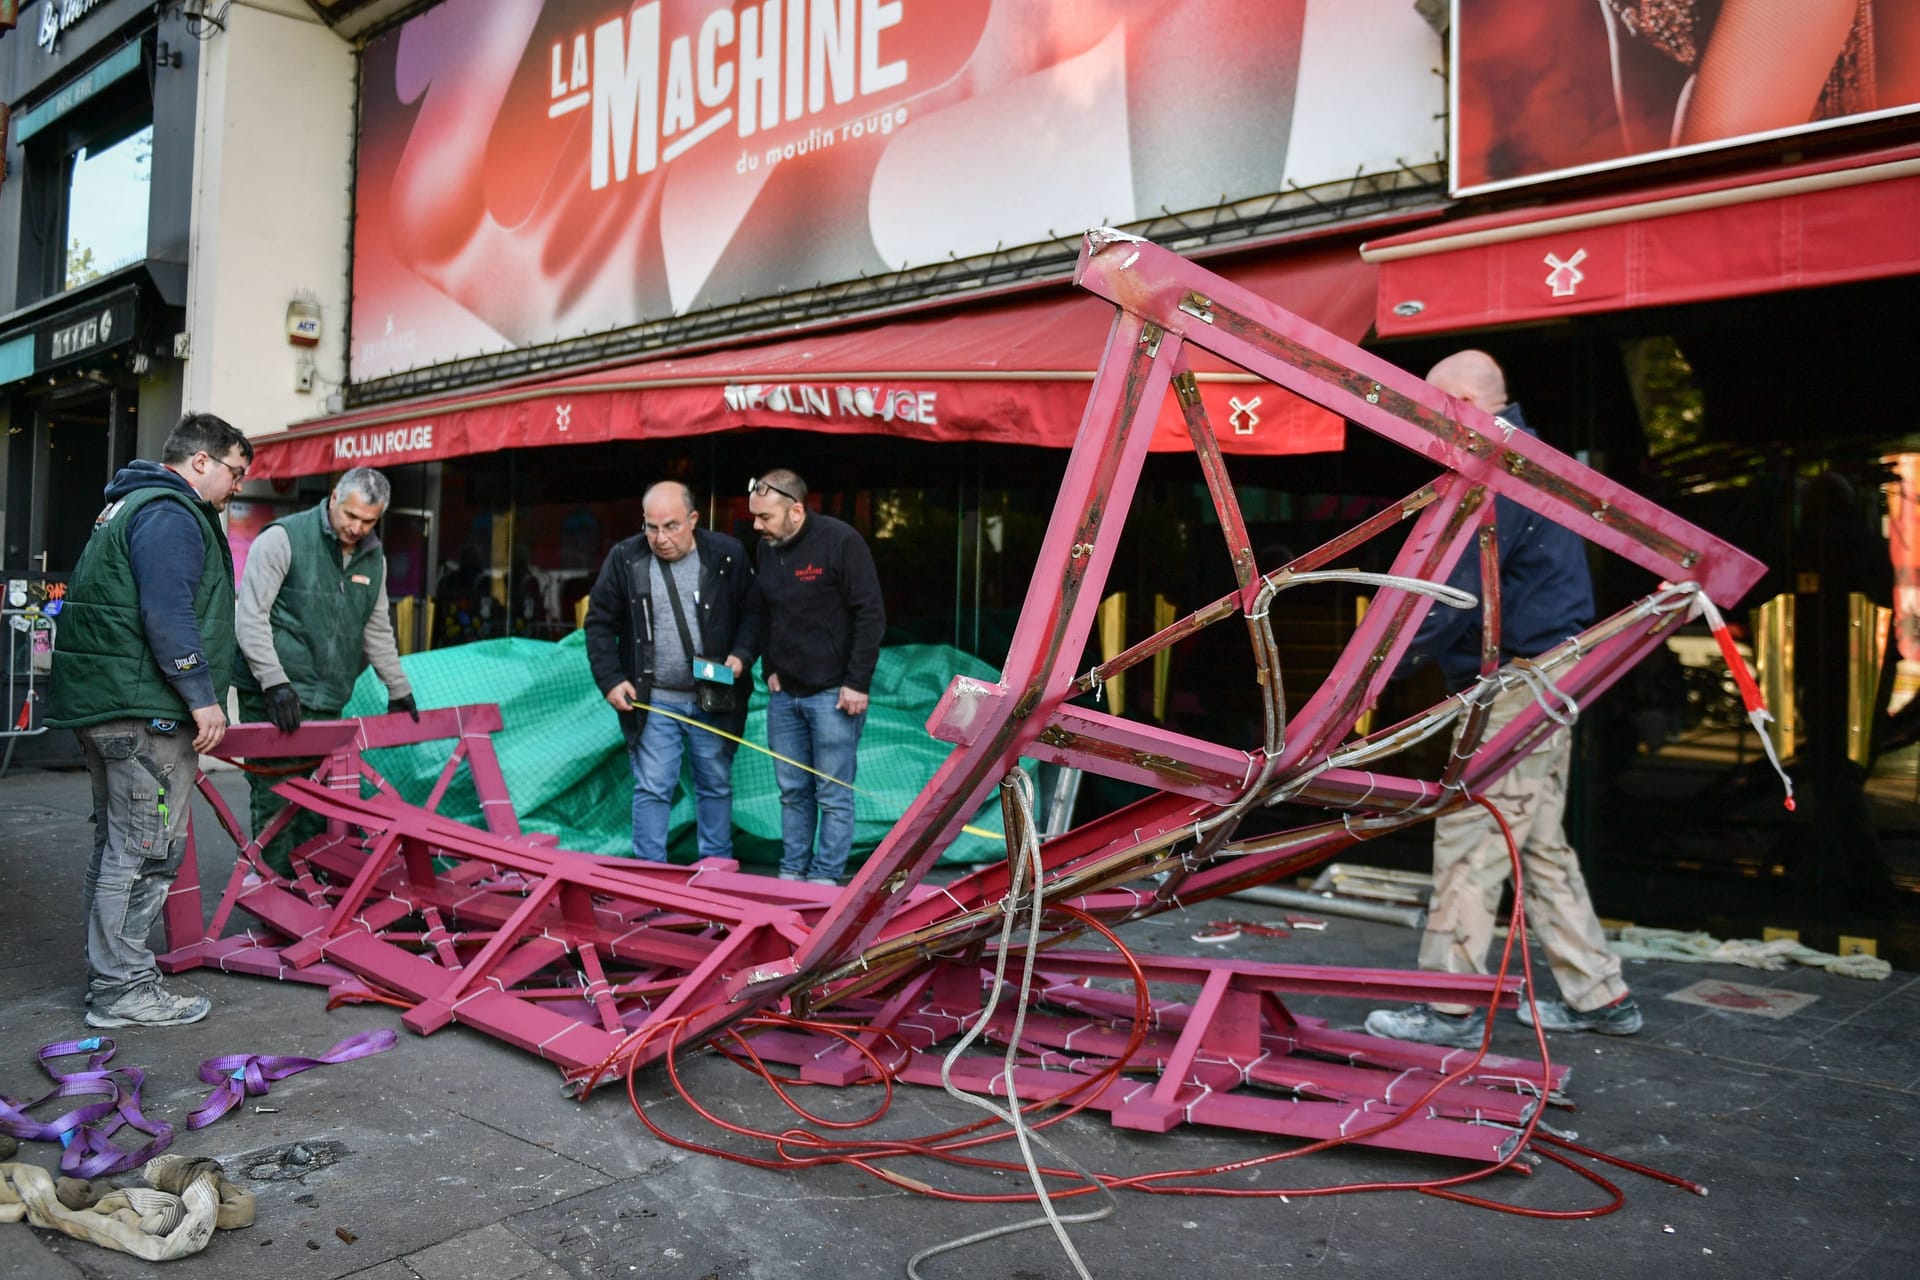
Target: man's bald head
{"x": 1473, "y": 376}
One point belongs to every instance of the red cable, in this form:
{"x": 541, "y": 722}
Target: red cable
{"x": 797, "y": 1147}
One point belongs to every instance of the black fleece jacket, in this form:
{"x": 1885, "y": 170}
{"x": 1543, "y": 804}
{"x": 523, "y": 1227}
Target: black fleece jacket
{"x": 825, "y": 616}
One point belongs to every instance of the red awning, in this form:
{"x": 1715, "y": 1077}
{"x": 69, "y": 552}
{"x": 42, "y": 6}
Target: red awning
{"x": 1014, "y": 371}
{"x": 1856, "y": 218}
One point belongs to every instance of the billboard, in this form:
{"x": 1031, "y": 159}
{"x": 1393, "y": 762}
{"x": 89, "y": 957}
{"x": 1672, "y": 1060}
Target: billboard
{"x": 1551, "y": 88}
{"x": 534, "y": 171}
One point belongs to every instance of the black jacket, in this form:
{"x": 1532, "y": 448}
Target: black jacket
{"x": 620, "y": 618}
{"x": 825, "y": 615}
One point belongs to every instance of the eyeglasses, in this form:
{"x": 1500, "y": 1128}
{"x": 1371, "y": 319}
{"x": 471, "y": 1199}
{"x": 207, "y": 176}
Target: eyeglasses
{"x": 239, "y": 473}
{"x": 667, "y": 530}
{"x": 760, "y": 489}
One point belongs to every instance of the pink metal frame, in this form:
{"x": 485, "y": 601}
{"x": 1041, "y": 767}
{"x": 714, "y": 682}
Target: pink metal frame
{"x": 569, "y": 955}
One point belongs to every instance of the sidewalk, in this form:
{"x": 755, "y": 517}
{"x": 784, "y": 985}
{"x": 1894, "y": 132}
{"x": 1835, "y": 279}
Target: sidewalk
{"x": 452, "y": 1156}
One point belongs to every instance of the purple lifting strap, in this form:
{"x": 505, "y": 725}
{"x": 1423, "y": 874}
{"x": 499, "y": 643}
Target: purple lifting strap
{"x": 248, "y": 1075}
{"x": 86, "y": 1132}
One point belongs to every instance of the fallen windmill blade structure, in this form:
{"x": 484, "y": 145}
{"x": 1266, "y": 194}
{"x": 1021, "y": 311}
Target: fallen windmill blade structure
{"x": 581, "y": 959}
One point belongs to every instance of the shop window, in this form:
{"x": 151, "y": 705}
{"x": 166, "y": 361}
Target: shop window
{"x": 108, "y": 186}
{"x": 1672, "y": 408}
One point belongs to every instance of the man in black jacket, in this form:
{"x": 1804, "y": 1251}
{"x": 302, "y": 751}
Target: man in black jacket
{"x": 825, "y": 618}
{"x": 675, "y": 580}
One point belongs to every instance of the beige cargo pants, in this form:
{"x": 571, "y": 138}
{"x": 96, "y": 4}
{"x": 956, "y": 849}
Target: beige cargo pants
{"x": 1470, "y": 866}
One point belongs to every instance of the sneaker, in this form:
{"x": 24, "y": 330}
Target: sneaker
{"x": 1424, "y": 1024}
{"x": 1621, "y": 1018}
{"x": 822, "y": 880}
{"x": 151, "y": 1005}
{"x": 791, "y": 875}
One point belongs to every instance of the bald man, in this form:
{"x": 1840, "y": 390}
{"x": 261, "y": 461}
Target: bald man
{"x": 1545, "y": 596}
{"x": 666, "y": 598}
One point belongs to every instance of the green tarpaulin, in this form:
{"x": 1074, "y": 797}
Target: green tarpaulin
{"x": 566, "y": 765}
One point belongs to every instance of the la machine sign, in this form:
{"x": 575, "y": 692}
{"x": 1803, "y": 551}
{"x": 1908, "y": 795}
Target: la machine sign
{"x": 654, "y": 94}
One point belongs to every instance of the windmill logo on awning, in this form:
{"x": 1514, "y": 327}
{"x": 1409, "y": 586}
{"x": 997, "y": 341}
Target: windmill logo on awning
{"x": 1243, "y": 417}
{"x": 1565, "y": 277}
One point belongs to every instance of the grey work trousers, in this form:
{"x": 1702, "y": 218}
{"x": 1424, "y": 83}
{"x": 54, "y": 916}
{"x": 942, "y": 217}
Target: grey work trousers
{"x": 142, "y": 797}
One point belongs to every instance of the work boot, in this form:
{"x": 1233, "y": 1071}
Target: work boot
{"x": 151, "y": 1005}
{"x": 1621, "y": 1018}
{"x": 1424, "y": 1024}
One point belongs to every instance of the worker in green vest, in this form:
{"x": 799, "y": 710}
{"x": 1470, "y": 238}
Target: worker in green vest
{"x": 312, "y": 615}
{"x": 141, "y": 666}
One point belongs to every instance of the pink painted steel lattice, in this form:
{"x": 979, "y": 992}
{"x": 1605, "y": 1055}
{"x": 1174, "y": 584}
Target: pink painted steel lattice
{"x": 571, "y": 955}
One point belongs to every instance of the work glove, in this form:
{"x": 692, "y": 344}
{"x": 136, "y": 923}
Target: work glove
{"x": 403, "y": 703}
{"x": 283, "y": 708}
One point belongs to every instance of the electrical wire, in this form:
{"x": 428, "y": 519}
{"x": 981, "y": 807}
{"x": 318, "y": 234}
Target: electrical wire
{"x": 1019, "y": 787}
{"x": 798, "y": 1148}
{"x": 885, "y": 1052}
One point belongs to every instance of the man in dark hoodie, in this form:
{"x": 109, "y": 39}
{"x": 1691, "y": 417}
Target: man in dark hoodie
{"x": 825, "y": 618}
{"x": 140, "y": 673}
{"x": 1546, "y": 595}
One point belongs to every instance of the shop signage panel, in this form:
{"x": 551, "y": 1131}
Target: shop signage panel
{"x": 532, "y": 173}
{"x": 85, "y": 330}
{"x": 1248, "y": 416}
{"x": 1543, "y": 91}
{"x": 122, "y": 62}
{"x": 16, "y": 358}
{"x": 57, "y": 15}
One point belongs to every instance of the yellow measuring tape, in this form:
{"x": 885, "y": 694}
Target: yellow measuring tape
{"x": 650, "y": 709}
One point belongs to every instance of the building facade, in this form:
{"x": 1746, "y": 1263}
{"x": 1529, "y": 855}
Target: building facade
{"x": 530, "y": 258}
{"x": 175, "y": 202}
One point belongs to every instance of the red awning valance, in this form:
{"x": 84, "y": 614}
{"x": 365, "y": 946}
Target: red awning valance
{"x": 1014, "y": 371}
{"x": 1856, "y": 218}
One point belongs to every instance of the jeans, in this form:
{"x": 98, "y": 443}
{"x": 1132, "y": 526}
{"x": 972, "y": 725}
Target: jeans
{"x": 815, "y": 732}
{"x": 142, "y": 798}
{"x": 655, "y": 756}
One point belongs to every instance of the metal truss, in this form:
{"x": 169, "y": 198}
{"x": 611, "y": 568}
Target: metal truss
{"x": 601, "y": 965}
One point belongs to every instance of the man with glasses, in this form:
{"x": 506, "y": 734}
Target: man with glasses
{"x": 140, "y": 670}
{"x": 825, "y": 618}
{"x": 312, "y": 615}
{"x": 665, "y": 599}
